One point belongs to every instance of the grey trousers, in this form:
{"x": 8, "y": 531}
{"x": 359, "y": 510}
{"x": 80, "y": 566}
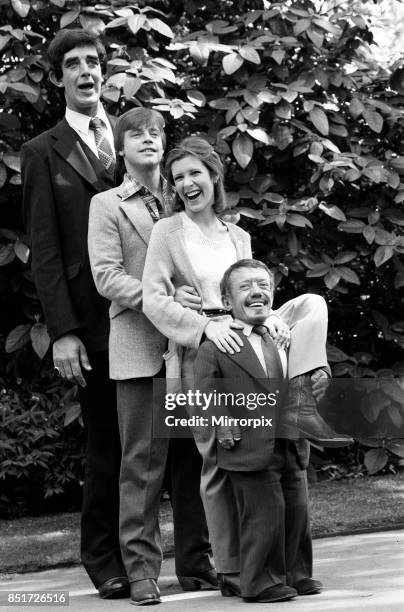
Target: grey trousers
{"x": 143, "y": 465}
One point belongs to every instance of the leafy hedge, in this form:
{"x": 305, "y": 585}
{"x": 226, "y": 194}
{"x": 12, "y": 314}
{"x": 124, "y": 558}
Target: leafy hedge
{"x": 310, "y": 126}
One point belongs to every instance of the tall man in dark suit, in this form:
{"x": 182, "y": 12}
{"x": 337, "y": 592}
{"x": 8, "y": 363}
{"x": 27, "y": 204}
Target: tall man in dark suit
{"x": 62, "y": 169}
{"x": 268, "y": 474}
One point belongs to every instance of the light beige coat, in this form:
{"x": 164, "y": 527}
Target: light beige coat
{"x": 118, "y": 237}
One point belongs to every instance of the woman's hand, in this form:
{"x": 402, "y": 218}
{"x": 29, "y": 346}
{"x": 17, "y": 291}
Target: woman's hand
{"x": 187, "y": 297}
{"x": 279, "y": 331}
{"x": 222, "y": 334}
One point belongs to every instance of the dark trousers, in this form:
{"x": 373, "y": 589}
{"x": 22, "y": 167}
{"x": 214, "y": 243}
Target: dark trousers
{"x": 191, "y": 537}
{"x": 100, "y": 551}
{"x": 275, "y": 538}
{"x": 142, "y": 470}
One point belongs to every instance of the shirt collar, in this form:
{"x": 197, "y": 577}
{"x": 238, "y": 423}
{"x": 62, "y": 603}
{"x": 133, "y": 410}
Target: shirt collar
{"x": 131, "y": 187}
{"x": 247, "y": 327}
{"x": 81, "y": 122}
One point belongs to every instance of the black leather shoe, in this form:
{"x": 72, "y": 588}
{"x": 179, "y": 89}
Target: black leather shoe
{"x": 308, "y": 586}
{"x": 207, "y": 580}
{"x": 114, "y": 588}
{"x": 279, "y": 592}
{"x": 144, "y": 592}
{"x": 229, "y": 585}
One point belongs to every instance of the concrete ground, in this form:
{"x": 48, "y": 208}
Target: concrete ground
{"x": 360, "y": 572}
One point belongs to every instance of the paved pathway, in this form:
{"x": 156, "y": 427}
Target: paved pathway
{"x": 360, "y": 573}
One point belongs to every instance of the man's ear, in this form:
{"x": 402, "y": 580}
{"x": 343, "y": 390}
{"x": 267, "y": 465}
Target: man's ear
{"x": 54, "y": 80}
{"x": 226, "y": 302}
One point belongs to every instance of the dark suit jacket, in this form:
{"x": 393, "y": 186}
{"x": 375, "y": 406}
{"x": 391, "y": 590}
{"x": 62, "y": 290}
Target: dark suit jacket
{"x": 242, "y": 372}
{"x": 60, "y": 176}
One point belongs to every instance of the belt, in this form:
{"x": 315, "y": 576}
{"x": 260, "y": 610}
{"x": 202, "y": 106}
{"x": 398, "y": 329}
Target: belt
{"x": 215, "y": 312}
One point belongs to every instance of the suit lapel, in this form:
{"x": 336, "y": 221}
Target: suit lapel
{"x": 248, "y": 360}
{"x": 68, "y": 144}
{"x": 137, "y": 213}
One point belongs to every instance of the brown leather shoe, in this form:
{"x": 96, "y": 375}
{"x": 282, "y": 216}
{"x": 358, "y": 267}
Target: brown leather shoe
{"x": 144, "y": 592}
{"x": 114, "y": 588}
{"x": 207, "y": 580}
{"x": 308, "y": 586}
{"x": 279, "y": 592}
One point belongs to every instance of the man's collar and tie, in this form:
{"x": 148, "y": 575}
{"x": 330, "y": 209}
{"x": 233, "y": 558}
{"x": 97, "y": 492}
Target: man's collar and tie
{"x": 96, "y": 133}
{"x": 273, "y": 361}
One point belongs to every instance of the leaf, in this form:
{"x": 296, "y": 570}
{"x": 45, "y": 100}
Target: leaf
{"x": 283, "y": 110}
{"x": 301, "y": 26}
{"x": 352, "y": 226}
{"x": 21, "y": 7}
{"x": 382, "y": 254}
{"x": 356, "y": 108}
{"x": 196, "y": 97}
{"x": 298, "y": 220}
{"x": 200, "y": 53}
{"x": 335, "y": 355}
{"x": 3, "y": 175}
{"x": 283, "y": 136}
{"x": 351, "y": 175}
{"x": 232, "y": 62}
{"x": 92, "y": 24}
{"x": 69, "y": 17}
{"x": 369, "y": 234}
{"x": 22, "y": 251}
{"x": 136, "y": 22}
{"x": 320, "y": 269}
{"x": 393, "y": 390}
{"x": 374, "y": 120}
{"x": 250, "y": 54}
{"x": 345, "y": 257}
{"x": 161, "y": 27}
{"x": 72, "y": 413}
{"x": 250, "y": 212}
{"x": 40, "y": 339}
{"x": 375, "y": 460}
{"x": 278, "y": 55}
{"x": 243, "y": 149}
{"x": 332, "y": 278}
{"x": 259, "y": 134}
{"x": 396, "y": 447}
{"x": 348, "y": 275}
{"x": 7, "y": 254}
{"x": 333, "y": 211}
{"x": 319, "y": 120}
{"x": 131, "y": 86}
{"x": 316, "y": 38}
{"x": 18, "y": 338}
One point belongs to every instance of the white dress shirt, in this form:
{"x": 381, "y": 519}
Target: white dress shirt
{"x": 255, "y": 341}
{"x": 81, "y": 124}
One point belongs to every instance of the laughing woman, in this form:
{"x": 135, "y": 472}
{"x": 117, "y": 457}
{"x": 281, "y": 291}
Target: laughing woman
{"x": 192, "y": 248}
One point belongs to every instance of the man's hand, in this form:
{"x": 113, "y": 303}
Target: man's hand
{"x": 69, "y": 357}
{"x": 222, "y": 334}
{"x": 228, "y": 436}
{"x": 279, "y": 331}
{"x": 188, "y": 297}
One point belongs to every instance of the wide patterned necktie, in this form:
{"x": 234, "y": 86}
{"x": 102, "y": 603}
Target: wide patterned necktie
{"x": 105, "y": 153}
{"x": 271, "y": 354}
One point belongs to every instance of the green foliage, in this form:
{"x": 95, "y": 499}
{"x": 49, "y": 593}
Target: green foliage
{"x": 41, "y": 442}
{"x": 309, "y": 125}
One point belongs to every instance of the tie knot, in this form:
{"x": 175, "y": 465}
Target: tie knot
{"x": 96, "y": 123}
{"x": 261, "y": 330}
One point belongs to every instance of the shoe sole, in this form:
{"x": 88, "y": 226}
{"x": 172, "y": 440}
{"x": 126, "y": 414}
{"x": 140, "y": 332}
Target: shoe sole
{"x": 145, "y": 602}
{"x": 269, "y": 599}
